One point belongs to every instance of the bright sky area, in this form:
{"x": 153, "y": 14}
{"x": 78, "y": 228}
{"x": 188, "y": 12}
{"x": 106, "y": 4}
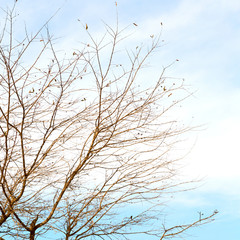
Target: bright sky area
{"x": 204, "y": 35}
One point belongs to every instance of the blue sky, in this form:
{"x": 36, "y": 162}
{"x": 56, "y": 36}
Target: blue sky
{"x": 204, "y": 35}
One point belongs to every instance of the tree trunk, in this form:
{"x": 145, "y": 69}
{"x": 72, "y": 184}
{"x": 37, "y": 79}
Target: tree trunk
{"x": 32, "y": 235}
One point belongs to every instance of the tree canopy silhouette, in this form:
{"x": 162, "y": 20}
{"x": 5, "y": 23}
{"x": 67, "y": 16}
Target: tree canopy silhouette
{"x": 83, "y": 141}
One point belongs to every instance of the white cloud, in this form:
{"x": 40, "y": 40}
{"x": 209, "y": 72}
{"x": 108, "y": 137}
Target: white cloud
{"x": 204, "y": 36}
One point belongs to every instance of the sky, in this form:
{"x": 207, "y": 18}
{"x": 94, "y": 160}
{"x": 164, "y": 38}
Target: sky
{"x": 204, "y": 35}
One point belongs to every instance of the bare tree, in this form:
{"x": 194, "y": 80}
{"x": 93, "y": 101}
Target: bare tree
{"x": 82, "y": 141}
